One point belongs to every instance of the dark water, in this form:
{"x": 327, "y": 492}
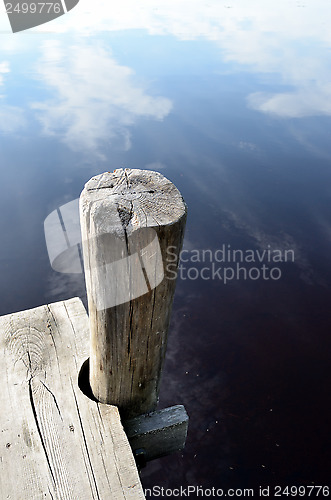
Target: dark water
{"x": 233, "y": 105}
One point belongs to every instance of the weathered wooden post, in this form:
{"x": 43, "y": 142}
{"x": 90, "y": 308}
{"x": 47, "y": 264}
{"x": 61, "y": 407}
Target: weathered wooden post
{"x": 63, "y": 444}
{"x": 129, "y": 218}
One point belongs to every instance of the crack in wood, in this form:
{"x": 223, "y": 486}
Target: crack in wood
{"x": 35, "y": 416}
{"x": 153, "y": 308}
{"x": 54, "y": 398}
{"x": 99, "y": 412}
{"x": 142, "y": 265}
{"x": 29, "y": 359}
{"x": 50, "y": 329}
{"x": 85, "y": 443}
{"x": 126, "y": 178}
{"x": 49, "y": 491}
{"x": 125, "y": 216}
{"x": 123, "y": 193}
{"x": 130, "y": 327}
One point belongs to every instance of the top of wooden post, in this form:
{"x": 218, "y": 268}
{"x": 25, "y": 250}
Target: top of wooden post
{"x": 133, "y": 198}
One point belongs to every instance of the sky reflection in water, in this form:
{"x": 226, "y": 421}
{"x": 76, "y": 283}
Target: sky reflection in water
{"x": 231, "y": 101}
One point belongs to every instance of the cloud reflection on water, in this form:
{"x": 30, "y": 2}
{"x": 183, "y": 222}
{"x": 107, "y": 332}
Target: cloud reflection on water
{"x": 11, "y": 117}
{"x": 286, "y": 38}
{"x": 95, "y": 98}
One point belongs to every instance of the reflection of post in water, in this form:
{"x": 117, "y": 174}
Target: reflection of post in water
{"x": 129, "y": 218}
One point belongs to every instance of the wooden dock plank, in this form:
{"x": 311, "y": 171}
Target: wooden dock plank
{"x": 55, "y": 443}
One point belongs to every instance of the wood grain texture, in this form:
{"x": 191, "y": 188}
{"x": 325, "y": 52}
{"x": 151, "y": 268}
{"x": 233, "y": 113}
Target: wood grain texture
{"x": 55, "y": 443}
{"x": 129, "y": 218}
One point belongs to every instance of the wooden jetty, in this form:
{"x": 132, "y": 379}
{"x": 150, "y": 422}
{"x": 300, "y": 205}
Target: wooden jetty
{"x": 62, "y": 436}
{"x": 55, "y": 442}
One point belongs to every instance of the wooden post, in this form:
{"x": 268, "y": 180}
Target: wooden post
{"x": 132, "y": 221}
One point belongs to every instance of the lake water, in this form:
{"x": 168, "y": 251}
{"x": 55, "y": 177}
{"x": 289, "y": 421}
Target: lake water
{"x": 231, "y": 102}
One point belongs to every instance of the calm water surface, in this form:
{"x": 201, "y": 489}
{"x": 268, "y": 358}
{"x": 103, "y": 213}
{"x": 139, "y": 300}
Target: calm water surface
{"x": 232, "y": 103}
